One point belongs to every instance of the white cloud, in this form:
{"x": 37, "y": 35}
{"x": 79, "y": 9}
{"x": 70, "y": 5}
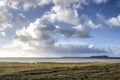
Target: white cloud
{"x": 70, "y": 16}
{"x": 61, "y": 13}
{"x": 14, "y": 4}
{"x": 67, "y": 13}
{"x": 84, "y": 28}
{"x": 56, "y": 14}
{"x": 39, "y": 36}
{"x": 3, "y": 3}
{"x": 2, "y": 34}
{"x": 28, "y": 4}
{"x": 36, "y": 34}
{"x": 114, "y": 21}
{"x": 43, "y": 2}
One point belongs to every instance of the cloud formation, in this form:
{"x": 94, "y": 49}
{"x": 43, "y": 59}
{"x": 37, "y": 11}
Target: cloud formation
{"x": 56, "y": 14}
{"x": 114, "y": 21}
{"x": 40, "y": 35}
{"x": 5, "y": 19}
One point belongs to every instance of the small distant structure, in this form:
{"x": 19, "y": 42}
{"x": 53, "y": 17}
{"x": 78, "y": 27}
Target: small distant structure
{"x": 102, "y": 56}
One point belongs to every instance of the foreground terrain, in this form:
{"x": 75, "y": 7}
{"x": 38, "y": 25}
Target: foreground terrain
{"x": 60, "y": 71}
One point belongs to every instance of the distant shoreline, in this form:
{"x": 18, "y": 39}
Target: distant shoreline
{"x": 60, "y": 57}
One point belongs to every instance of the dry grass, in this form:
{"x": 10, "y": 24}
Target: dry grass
{"x": 60, "y": 71}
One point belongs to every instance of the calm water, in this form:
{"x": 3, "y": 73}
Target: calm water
{"x": 60, "y": 60}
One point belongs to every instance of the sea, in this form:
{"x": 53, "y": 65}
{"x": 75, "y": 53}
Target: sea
{"x": 58, "y": 60}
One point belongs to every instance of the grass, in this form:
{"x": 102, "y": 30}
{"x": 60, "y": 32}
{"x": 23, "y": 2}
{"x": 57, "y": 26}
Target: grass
{"x": 60, "y": 71}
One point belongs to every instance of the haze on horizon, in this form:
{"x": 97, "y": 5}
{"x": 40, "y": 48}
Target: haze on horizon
{"x": 56, "y": 28}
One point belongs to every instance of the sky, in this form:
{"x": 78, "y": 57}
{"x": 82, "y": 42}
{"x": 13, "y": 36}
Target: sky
{"x": 59, "y": 28}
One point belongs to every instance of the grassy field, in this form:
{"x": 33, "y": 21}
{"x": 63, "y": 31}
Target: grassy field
{"x": 60, "y": 71}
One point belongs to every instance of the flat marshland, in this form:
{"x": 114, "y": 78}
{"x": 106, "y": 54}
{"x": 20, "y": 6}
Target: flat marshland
{"x": 60, "y": 71}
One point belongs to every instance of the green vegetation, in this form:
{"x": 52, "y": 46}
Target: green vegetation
{"x": 60, "y": 71}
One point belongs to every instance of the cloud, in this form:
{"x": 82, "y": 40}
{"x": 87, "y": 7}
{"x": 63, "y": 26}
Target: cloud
{"x": 114, "y": 21}
{"x": 67, "y": 32}
{"x": 28, "y": 4}
{"x": 36, "y": 34}
{"x": 82, "y": 31}
{"x": 40, "y": 35}
{"x": 70, "y": 16}
{"x": 14, "y": 4}
{"x": 84, "y": 28}
{"x": 19, "y": 21}
{"x": 43, "y": 2}
{"x": 76, "y": 48}
{"x": 114, "y": 49}
{"x": 2, "y": 3}
{"x": 5, "y": 20}
{"x": 2, "y": 34}
{"x": 5, "y": 16}
{"x": 56, "y": 14}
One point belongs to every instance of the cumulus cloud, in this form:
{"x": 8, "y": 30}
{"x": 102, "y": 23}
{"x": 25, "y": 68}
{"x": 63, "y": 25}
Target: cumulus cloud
{"x": 39, "y": 36}
{"x": 70, "y": 16}
{"x": 56, "y": 14}
{"x": 27, "y": 4}
{"x": 114, "y": 21}
{"x": 36, "y": 34}
{"x": 84, "y": 28}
